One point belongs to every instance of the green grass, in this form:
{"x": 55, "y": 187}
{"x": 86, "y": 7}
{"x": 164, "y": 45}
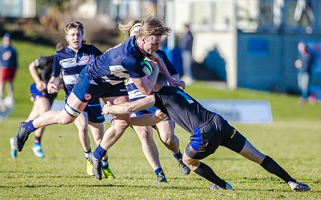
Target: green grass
{"x": 293, "y": 139}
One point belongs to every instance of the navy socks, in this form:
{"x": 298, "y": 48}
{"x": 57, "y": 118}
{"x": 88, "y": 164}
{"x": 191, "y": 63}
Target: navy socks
{"x": 99, "y": 152}
{"x": 29, "y": 126}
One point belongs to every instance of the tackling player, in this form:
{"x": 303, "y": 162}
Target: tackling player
{"x": 164, "y": 128}
{"x": 104, "y": 78}
{"x": 208, "y": 131}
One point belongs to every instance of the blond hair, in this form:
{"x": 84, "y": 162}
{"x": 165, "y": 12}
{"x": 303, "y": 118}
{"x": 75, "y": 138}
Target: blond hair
{"x": 126, "y": 28}
{"x": 152, "y": 26}
{"x": 76, "y": 24}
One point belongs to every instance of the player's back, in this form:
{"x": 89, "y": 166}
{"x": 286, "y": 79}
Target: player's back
{"x": 112, "y": 66}
{"x": 182, "y": 108}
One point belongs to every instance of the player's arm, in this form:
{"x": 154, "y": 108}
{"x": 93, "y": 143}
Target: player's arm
{"x": 147, "y": 83}
{"x": 129, "y": 107}
{"x": 163, "y": 69}
{"x": 40, "y": 85}
{"x": 53, "y": 85}
{"x": 148, "y": 119}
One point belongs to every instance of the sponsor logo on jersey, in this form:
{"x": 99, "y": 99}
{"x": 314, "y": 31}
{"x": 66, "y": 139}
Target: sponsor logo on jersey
{"x": 87, "y": 96}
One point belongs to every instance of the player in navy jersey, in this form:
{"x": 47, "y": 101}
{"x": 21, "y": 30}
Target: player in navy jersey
{"x": 69, "y": 62}
{"x": 208, "y": 131}
{"x": 104, "y": 78}
{"x": 165, "y": 128}
{"x": 42, "y": 101}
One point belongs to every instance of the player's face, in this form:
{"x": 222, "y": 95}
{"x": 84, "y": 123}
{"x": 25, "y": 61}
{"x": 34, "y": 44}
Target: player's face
{"x": 74, "y": 38}
{"x": 5, "y": 41}
{"x": 151, "y": 43}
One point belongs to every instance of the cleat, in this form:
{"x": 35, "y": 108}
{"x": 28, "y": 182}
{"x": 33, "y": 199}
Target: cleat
{"x": 96, "y": 165}
{"x": 298, "y": 187}
{"x": 184, "y": 169}
{"x": 21, "y": 137}
{"x": 214, "y": 187}
{"x": 37, "y": 150}
{"x": 108, "y": 173}
{"x": 89, "y": 168}
{"x": 161, "y": 177}
{"x": 13, "y": 151}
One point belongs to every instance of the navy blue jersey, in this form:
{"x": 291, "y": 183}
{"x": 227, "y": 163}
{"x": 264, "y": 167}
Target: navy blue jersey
{"x": 133, "y": 91}
{"x": 44, "y": 63}
{"x": 182, "y": 108}
{"x": 117, "y": 64}
{"x": 70, "y": 63}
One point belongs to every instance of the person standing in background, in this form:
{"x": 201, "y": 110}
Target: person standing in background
{"x": 8, "y": 68}
{"x": 186, "y": 44}
{"x": 304, "y": 65}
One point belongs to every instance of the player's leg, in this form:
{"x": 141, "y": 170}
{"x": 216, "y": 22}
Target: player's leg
{"x": 41, "y": 105}
{"x": 145, "y": 135}
{"x": 251, "y": 153}
{"x": 2, "y": 80}
{"x": 111, "y": 136}
{"x": 72, "y": 109}
{"x": 166, "y": 133}
{"x": 204, "y": 170}
{"x": 238, "y": 143}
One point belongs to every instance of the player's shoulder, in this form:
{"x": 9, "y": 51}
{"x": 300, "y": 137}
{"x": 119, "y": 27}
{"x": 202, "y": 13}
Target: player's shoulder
{"x": 46, "y": 58}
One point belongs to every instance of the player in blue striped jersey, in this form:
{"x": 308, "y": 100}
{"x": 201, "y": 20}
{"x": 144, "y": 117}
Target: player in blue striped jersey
{"x": 164, "y": 128}
{"x": 69, "y": 62}
{"x": 104, "y": 78}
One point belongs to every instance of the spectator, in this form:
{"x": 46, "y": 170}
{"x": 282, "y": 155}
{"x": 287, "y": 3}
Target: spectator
{"x": 304, "y": 65}
{"x": 186, "y": 44}
{"x": 8, "y": 67}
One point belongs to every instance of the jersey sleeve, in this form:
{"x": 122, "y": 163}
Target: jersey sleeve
{"x": 41, "y": 62}
{"x": 171, "y": 69}
{"x": 134, "y": 67}
{"x": 56, "y": 68}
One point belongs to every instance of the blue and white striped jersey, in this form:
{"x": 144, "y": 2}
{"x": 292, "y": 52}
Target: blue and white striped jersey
{"x": 70, "y": 63}
{"x": 133, "y": 91}
{"x": 117, "y": 64}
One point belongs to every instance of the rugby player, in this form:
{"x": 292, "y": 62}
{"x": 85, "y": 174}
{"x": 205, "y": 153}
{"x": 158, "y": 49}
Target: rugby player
{"x": 165, "y": 128}
{"x": 42, "y": 101}
{"x": 208, "y": 131}
{"x": 104, "y": 78}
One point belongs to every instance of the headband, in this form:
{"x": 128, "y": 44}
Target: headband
{"x": 135, "y": 26}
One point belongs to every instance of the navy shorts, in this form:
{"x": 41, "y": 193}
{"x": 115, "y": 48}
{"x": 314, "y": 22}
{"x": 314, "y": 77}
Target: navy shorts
{"x": 89, "y": 92}
{"x": 208, "y": 137}
{"x": 35, "y": 94}
{"x": 94, "y": 112}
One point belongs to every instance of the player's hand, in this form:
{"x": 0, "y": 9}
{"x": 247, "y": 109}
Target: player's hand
{"x": 41, "y": 86}
{"x": 52, "y": 88}
{"x": 106, "y": 109}
{"x": 154, "y": 57}
{"x": 173, "y": 82}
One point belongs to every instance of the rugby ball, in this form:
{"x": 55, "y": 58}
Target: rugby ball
{"x": 147, "y": 67}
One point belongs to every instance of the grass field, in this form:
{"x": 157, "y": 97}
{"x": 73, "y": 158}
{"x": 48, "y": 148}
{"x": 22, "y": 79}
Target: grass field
{"x": 293, "y": 139}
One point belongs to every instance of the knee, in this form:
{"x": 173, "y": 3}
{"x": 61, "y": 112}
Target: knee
{"x": 168, "y": 140}
{"x": 82, "y": 130}
{"x": 121, "y": 124}
{"x": 191, "y": 163}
